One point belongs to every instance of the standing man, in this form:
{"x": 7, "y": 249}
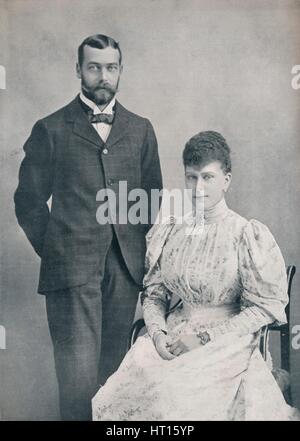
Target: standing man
{"x": 91, "y": 274}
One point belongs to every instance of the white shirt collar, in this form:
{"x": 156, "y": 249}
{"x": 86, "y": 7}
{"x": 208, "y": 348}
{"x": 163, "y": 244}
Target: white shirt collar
{"x": 108, "y": 109}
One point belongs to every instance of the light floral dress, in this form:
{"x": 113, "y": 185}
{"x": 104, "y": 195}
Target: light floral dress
{"x": 231, "y": 277}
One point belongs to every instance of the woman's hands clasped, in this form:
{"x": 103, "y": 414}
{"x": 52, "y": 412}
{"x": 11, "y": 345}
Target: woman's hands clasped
{"x": 184, "y": 344}
{"x": 169, "y": 350}
{"x": 161, "y": 343}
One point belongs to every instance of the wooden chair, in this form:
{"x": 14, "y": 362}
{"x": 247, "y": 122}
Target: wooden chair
{"x": 284, "y": 330}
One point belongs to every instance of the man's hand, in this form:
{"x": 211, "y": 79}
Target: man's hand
{"x": 160, "y": 341}
{"x": 184, "y": 344}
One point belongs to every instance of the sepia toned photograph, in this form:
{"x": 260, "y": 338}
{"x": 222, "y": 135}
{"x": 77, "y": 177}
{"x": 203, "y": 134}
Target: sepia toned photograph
{"x": 150, "y": 204}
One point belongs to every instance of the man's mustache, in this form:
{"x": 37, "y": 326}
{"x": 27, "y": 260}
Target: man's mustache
{"x": 104, "y": 87}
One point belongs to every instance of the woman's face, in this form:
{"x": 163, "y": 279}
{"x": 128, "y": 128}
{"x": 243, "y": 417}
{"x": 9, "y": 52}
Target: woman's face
{"x": 208, "y": 183}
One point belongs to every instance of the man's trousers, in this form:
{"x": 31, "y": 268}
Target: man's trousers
{"x": 89, "y": 327}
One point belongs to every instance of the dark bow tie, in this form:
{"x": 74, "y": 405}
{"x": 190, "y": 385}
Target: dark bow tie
{"x": 100, "y": 118}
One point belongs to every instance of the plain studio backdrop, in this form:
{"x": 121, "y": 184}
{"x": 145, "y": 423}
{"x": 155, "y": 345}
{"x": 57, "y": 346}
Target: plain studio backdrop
{"x": 189, "y": 65}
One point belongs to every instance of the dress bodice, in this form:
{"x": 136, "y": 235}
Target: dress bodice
{"x": 200, "y": 263}
{"x": 222, "y": 260}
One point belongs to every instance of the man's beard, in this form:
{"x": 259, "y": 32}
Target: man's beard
{"x": 101, "y": 94}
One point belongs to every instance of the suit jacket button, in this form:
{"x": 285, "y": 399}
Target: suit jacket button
{"x": 104, "y": 151}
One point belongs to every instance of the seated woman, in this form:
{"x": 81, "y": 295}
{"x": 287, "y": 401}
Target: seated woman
{"x": 204, "y": 363}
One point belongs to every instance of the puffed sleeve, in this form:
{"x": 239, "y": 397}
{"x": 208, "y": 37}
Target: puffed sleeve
{"x": 264, "y": 283}
{"x": 155, "y": 294}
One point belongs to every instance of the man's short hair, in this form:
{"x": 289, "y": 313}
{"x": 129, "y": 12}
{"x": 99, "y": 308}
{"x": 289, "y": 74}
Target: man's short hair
{"x": 98, "y": 41}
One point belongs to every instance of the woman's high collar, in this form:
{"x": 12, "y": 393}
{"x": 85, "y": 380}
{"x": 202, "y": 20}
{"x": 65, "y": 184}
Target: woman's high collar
{"x": 216, "y": 213}
{"x": 209, "y": 216}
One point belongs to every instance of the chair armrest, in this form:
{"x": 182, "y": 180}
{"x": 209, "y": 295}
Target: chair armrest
{"x": 263, "y": 343}
{"x": 135, "y": 330}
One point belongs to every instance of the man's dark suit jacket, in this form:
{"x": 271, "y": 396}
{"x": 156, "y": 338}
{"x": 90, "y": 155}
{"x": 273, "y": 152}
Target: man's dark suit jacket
{"x": 64, "y": 158}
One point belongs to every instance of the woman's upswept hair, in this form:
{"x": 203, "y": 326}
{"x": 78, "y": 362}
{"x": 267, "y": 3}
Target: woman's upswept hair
{"x": 206, "y": 147}
{"x": 98, "y": 41}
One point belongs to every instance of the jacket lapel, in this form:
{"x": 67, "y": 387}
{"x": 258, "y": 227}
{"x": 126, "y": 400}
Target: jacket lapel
{"x": 119, "y": 127}
{"x": 81, "y": 125}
